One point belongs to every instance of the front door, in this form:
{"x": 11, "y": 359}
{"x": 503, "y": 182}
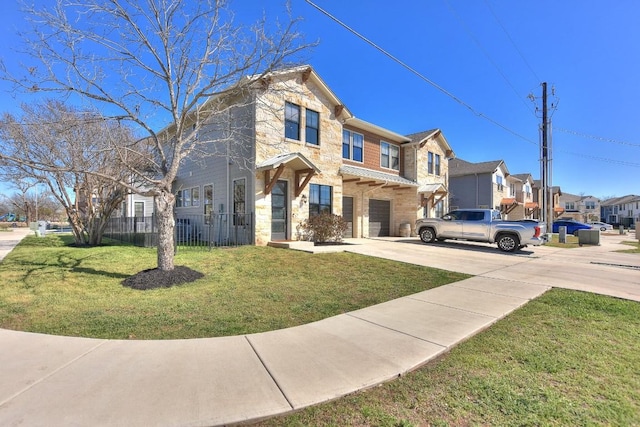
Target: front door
{"x": 279, "y": 211}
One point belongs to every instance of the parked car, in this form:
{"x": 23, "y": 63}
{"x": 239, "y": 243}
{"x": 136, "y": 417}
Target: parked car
{"x": 602, "y": 226}
{"x": 572, "y": 226}
{"x": 482, "y": 225}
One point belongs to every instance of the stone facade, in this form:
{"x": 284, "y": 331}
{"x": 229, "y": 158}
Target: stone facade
{"x": 271, "y": 158}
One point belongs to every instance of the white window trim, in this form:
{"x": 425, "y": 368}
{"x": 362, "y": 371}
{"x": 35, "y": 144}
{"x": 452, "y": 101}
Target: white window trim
{"x": 390, "y": 157}
{"x": 350, "y": 158}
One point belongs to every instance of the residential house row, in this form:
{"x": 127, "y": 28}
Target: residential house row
{"x": 579, "y": 207}
{"x": 300, "y": 152}
{"x": 623, "y": 210}
{"x": 490, "y": 185}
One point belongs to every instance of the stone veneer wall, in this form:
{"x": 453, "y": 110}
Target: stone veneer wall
{"x": 270, "y": 142}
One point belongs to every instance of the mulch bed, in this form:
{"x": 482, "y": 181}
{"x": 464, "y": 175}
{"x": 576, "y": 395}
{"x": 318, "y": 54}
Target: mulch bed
{"x": 155, "y": 278}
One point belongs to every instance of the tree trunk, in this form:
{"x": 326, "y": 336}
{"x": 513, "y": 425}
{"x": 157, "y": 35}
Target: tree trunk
{"x": 166, "y": 224}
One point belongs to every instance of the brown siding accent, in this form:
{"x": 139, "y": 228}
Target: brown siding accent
{"x": 372, "y": 152}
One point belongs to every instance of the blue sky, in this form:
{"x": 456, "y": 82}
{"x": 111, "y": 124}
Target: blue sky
{"x": 489, "y": 55}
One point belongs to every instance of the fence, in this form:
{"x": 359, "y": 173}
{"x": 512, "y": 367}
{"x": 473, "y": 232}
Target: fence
{"x": 190, "y": 232}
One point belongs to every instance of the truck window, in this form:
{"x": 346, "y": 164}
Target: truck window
{"x": 455, "y": 215}
{"x": 475, "y": 216}
{"x": 496, "y": 216}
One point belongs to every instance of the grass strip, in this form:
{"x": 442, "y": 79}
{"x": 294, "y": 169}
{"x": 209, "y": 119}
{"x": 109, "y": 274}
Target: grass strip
{"x": 50, "y": 287}
{"x": 566, "y": 358}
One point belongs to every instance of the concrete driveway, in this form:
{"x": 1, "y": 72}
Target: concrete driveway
{"x": 599, "y": 269}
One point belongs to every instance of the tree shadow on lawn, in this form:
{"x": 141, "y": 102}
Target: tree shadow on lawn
{"x": 143, "y": 280}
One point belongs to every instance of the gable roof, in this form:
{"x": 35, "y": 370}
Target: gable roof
{"x": 620, "y": 200}
{"x": 523, "y": 177}
{"x": 459, "y": 167}
{"x": 420, "y": 138}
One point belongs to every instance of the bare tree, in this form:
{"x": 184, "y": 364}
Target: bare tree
{"x": 158, "y": 63}
{"x": 71, "y": 153}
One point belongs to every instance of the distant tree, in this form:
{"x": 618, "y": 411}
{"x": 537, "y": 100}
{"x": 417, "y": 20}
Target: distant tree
{"x": 155, "y": 62}
{"x": 71, "y": 153}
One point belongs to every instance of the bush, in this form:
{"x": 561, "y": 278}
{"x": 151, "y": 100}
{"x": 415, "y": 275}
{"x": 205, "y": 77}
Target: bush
{"x": 323, "y": 228}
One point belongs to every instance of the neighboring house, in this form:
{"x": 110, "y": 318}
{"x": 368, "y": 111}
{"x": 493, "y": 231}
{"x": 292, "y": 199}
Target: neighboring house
{"x": 523, "y": 205}
{"x": 556, "y": 192}
{"x": 135, "y": 206}
{"x": 580, "y": 208}
{"x": 301, "y": 152}
{"x": 623, "y": 210}
{"x": 489, "y": 185}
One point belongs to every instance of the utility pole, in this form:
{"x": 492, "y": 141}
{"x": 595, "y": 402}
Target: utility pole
{"x": 545, "y": 155}
{"x": 547, "y": 186}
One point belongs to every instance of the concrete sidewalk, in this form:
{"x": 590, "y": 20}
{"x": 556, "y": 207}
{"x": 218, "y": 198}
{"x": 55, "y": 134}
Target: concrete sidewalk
{"x": 59, "y": 381}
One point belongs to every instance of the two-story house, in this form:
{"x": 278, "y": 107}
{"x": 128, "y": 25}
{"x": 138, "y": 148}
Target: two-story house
{"x": 623, "y": 210}
{"x": 294, "y": 150}
{"x": 554, "y": 198}
{"x": 490, "y": 185}
{"x": 580, "y": 208}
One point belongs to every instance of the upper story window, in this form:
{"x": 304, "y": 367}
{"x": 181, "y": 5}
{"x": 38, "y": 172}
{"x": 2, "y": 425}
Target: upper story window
{"x": 312, "y": 127}
{"x": 499, "y": 182}
{"x": 389, "y": 156}
{"x": 292, "y": 121}
{"x": 430, "y": 162}
{"x": 570, "y": 206}
{"x": 352, "y": 145}
{"x": 590, "y": 204}
{"x": 438, "y": 164}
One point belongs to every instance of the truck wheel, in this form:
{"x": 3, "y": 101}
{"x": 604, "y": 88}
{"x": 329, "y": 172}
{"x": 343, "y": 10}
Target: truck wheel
{"x": 508, "y": 242}
{"x": 427, "y": 235}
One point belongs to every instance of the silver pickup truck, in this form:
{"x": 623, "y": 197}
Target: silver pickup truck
{"x": 482, "y": 225}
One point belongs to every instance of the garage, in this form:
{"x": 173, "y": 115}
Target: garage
{"x": 379, "y": 217}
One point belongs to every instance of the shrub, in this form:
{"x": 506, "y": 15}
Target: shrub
{"x": 323, "y": 228}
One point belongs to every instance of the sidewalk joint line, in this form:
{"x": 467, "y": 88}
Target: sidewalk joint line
{"x": 255, "y": 351}
{"x": 395, "y": 330}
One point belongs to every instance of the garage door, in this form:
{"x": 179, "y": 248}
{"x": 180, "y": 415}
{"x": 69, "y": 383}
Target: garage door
{"x": 379, "y": 213}
{"x": 347, "y": 215}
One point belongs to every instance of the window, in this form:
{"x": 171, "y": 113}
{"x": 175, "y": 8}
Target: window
{"x": 389, "y": 156}
{"x": 312, "y": 127}
{"x": 440, "y": 209}
{"x": 195, "y": 196}
{"x": 208, "y": 202}
{"x": 352, "y": 145}
{"x": 590, "y": 204}
{"x": 438, "y": 164}
{"x": 570, "y": 206}
{"x": 430, "y": 163}
{"x": 239, "y": 203}
{"x": 499, "y": 182}
{"x": 319, "y": 199}
{"x": 188, "y": 197}
{"x": 292, "y": 121}
{"x": 138, "y": 210}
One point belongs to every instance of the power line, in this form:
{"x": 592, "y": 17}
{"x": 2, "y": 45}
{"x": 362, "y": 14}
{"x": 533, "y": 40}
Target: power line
{"x": 511, "y": 40}
{"x": 602, "y": 159}
{"x": 420, "y": 75}
{"x": 598, "y": 138}
{"x": 486, "y": 53}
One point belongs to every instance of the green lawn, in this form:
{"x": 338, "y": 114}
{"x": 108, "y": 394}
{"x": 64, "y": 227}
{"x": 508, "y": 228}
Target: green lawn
{"x": 565, "y": 359}
{"x": 52, "y": 288}
{"x": 571, "y": 242}
{"x": 635, "y": 247}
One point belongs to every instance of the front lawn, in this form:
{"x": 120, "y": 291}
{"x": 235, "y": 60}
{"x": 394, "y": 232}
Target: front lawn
{"x": 635, "y": 247}
{"x": 50, "y": 287}
{"x": 567, "y": 358}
